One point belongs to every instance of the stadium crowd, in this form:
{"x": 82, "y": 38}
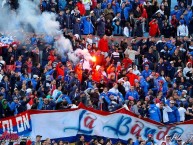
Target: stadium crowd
{"x": 150, "y": 76}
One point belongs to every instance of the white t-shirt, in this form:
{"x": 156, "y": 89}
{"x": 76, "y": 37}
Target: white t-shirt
{"x": 131, "y": 54}
{"x": 182, "y": 112}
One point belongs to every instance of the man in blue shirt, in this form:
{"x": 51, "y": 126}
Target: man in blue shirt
{"x": 132, "y": 92}
{"x": 18, "y": 64}
{"x": 147, "y": 72}
{"x": 174, "y": 116}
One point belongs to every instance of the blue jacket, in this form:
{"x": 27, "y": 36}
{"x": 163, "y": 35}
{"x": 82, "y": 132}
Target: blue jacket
{"x": 117, "y": 30}
{"x": 34, "y": 40}
{"x": 145, "y": 73}
{"x": 23, "y": 78}
{"x": 62, "y": 4}
{"x": 49, "y": 39}
{"x": 104, "y": 5}
{"x": 126, "y": 11}
{"x": 134, "y": 94}
{"x": 87, "y": 26}
{"x": 116, "y": 95}
{"x": 50, "y": 72}
{"x": 154, "y": 113}
{"x": 106, "y": 97}
{"x": 116, "y": 8}
{"x": 98, "y": 12}
{"x": 65, "y": 97}
{"x": 174, "y": 116}
{"x": 188, "y": 17}
{"x": 34, "y": 83}
{"x": 100, "y": 27}
{"x": 77, "y": 28}
{"x": 89, "y": 84}
{"x": 18, "y": 63}
{"x": 178, "y": 13}
{"x": 13, "y": 106}
{"x": 144, "y": 85}
{"x": 40, "y": 104}
{"x": 164, "y": 88}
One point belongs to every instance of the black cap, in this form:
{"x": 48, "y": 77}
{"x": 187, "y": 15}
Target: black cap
{"x": 38, "y": 136}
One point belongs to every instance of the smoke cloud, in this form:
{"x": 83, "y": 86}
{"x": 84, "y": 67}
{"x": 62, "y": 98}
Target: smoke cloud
{"x": 29, "y": 17}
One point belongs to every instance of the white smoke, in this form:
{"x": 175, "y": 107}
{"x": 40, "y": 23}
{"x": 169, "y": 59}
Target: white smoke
{"x": 86, "y": 57}
{"x": 29, "y": 16}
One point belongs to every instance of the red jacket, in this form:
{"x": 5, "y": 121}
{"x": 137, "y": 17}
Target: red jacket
{"x": 96, "y": 76}
{"x": 131, "y": 78}
{"x": 126, "y": 62}
{"x": 78, "y": 71}
{"x": 174, "y": 22}
{"x": 154, "y": 28}
{"x": 81, "y": 8}
{"x": 144, "y": 13}
{"x": 59, "y": 70}
{"x": 103, "y": 45}
{"x": 94, "y": 4}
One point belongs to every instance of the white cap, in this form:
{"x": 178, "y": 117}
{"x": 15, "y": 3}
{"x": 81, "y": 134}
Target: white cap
{"x": 28, "y": 90}
{"x": 77, "y": 36}
{"x": 129, "y": 69}
{"x": 98, "y": 67}
{"x": 35, "y": 76}
{"x": 184, "y": 91}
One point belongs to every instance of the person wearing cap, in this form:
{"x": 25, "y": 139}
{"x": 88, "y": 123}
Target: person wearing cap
{"x": 180, "y": 79}
{"x": 35, "y": 81}
{"x": 182, "y": 30}
{"x": 188, "y": 70}
{"x": 171, "y": 70}
{"x": 76, "y": 28}
{"x": 174, "y": 116}
{"x": 147, "y": 72}
{"x": 177, "y": 12}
